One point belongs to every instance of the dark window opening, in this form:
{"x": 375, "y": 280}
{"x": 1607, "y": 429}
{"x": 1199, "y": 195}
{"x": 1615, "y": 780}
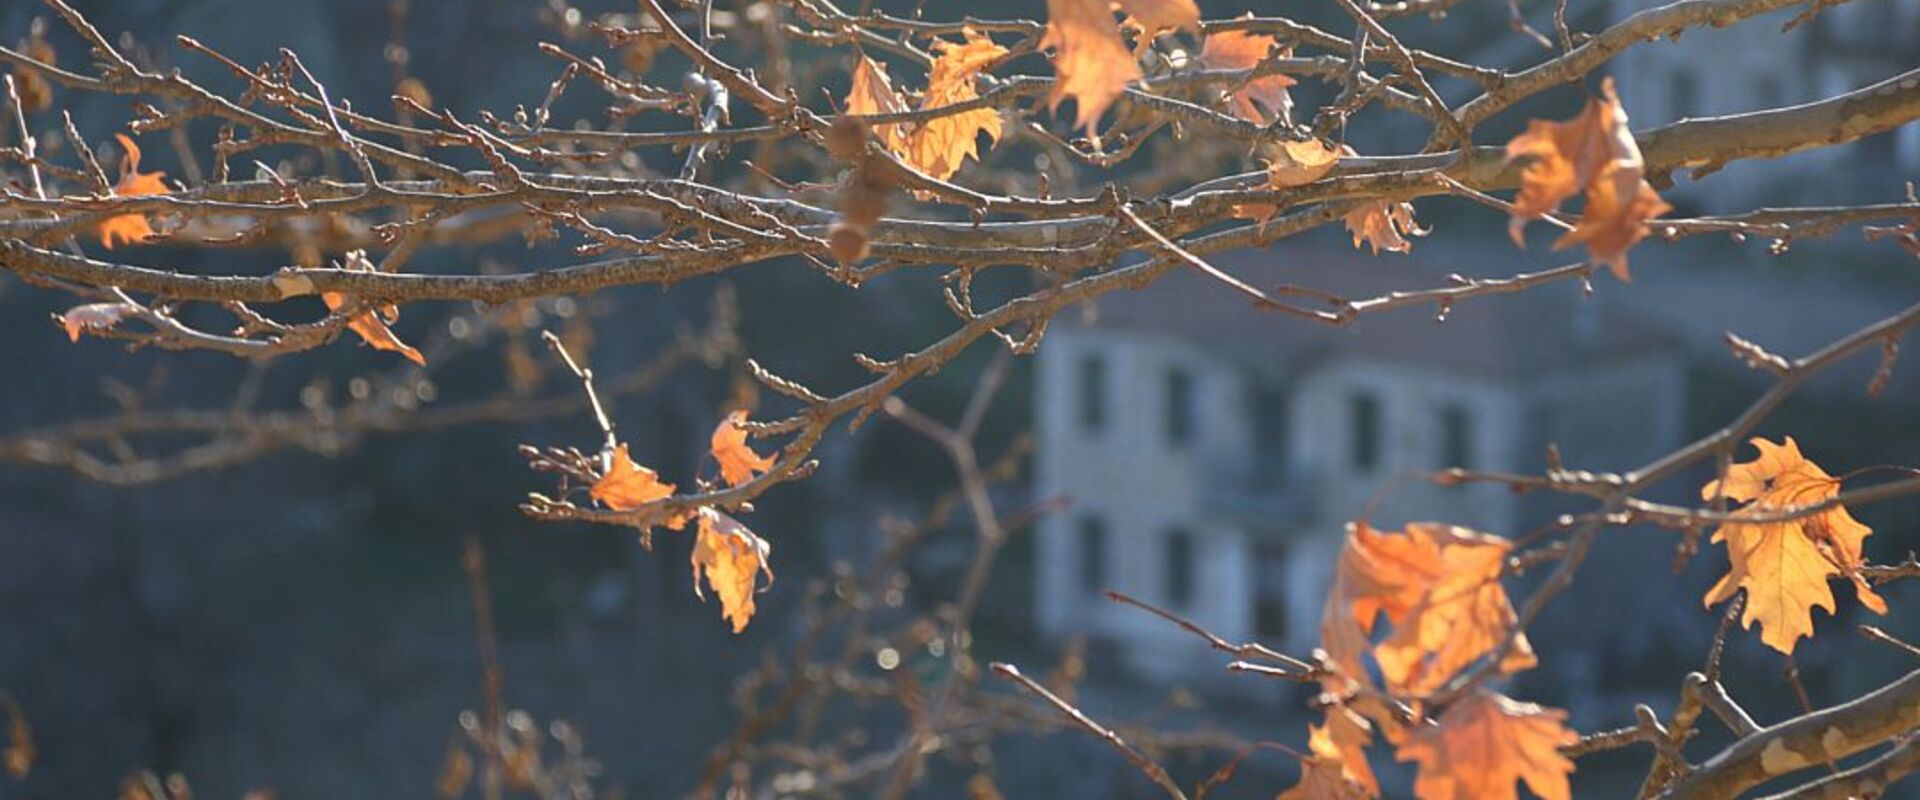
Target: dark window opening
{"x": 1269, "y": 591}
{"x": 1093, "y": 393}
{"x": 1270, "y": 433}
{"x": 1365, "y": 431}
{"x": 1180, "y": 407}
{"x": 1178, "y": 563}
{"x": 1456, "y": 438}
{"x": 1093, "y": 554}
{"x": 1686, "y": 94}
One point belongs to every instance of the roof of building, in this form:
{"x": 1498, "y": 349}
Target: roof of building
{"x": 1547, "y": 327}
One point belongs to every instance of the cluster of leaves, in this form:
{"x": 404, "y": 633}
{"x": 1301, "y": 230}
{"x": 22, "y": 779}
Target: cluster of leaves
{"x": 1439, "y": 590}
{"x": 727, "y": 555}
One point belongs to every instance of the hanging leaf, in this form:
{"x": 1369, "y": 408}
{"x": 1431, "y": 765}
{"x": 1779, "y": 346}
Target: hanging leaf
{"x": 1323, "y": 774}
{"x": 1090, "y": 63}
{"x": 1384, "y": 225}
{"x": 1263, "y": 99}
{"x": 626, "y": 485}
{"x": 1439, "y": 586}
{"x": 1784, "y": 566}
{"x": 940, "y": 145}
{"x": 873, "y": 93}
{"x": 373, "y": 329}
{"x": 730, "y": 558}
{"x": 131, "y": 228}
{"x": 1594, "y": 152}
{"x": 1155, "y": 17}
{"x": 1483, "y": 743}
{"x": 738, "y": 462}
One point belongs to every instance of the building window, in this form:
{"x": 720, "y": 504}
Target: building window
{"x": 1456, "y": 438}
{"x": 1180, "y": 410}
{"x": 1686, "y": 94}
{"x": 1093, "y": 554}
{"x": 1771, "y": 94}
{"x": 1177, "y": 562}
{"x": 1364, "y": 431}
{"x": 1093, "y": 393}
{"x": 1270, "y": 591}
{"x": 1270, "y": 431}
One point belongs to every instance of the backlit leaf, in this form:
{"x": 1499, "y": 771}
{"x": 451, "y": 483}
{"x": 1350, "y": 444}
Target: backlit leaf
{"x": 738, "y": 462}
{"x": 626, "y": 485}
{"x": 1155, "y": 17}
{"x": 1784, "y": 566}
{"x": 1384, "y": 225}
{"x": 131, "y": 228}
{"x": 940, "y": 145}
{"x": 873, "y": 93}
{"x": 1594, "y": 152}
{"x": 1323, "y": 775}
{"x": 1484, "y": 743}
{"x": 730, "y": 558}
{"x": 373, "y": 329}
{"x": 1091, "y": 64}
{"x": 1261, "y": 100}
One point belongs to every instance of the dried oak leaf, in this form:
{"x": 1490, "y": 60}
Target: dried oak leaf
{"x": 738, "y": 462}
{"x": 131, "y": 228}
{"x": 1439, "y": 586}
{"x": 1155, "y": 17}
{"x": 20, "y": 751}
{"x": 1292, "y": 163}
{"x": 940, "y": 145}
{"x": 1784, "y": 566}
{"x": 873, "y": 93}
{"x": 1347, "y": 732}
{"x": 1323, "y": 774}
{"x": 1263, "y": 99}
{"x": 730, "y": 558}
{"x": 1091, "y": 64}
{"x": 1594, "y": 152}
{"x": 1384, "y": 225}
{"x": 92, "y": 316}
{"x": 36, "y": 92}
{"x": 1485, "y": 742}
{"x": 626, "y": 485}
{"x": 372, "y": 327}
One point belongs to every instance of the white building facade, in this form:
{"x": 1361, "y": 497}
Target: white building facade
{"x": 1214, "y": 477}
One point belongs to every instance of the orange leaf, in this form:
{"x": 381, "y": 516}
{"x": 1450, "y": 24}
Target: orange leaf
{"x": 1594, "y": 152}
{"x": 1384, "y": 225}
{"x": 1440, "y": 588}
{"x": 92, "y": 316}
{"x": 1485, "y": 742}
{"x": 738, "y": 462}
{"x": 626, "y": 485}
{"x": 1093, "y": 65}
{"x": 373, "y": 330}
{"x": 873, "y": 93}
{"x": 1293, "y": 164}
{"x": 1323, "y": 775}
{"x": 1155, "y": 17}
{"x": 730, "y": 558}
{"x": 1263, "y": 99}
{"x": 1784, "y": 566}
{"x": 940, "y": 145}
{"x": 132, "y": 228}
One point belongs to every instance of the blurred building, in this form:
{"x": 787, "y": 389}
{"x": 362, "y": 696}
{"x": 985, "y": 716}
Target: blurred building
{"x": 1213, "y": 454}
{"x": 1752, "y": 66}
